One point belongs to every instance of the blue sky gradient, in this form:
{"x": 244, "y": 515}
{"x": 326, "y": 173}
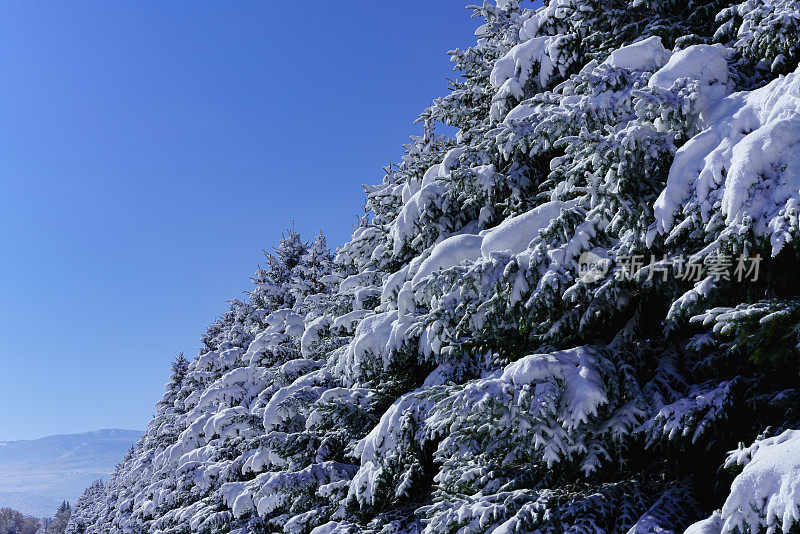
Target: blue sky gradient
{"x": 150, "y": 150}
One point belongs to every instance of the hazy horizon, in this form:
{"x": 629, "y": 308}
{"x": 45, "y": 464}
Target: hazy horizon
{"x": 78, "y": 433}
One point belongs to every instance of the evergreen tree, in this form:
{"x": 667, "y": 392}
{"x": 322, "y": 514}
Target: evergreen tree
{"x": 61, "y": 519}
{"x": 273, "y": 288}
{"x": 83, "y": 514}
{"x": 313, "y": 266}
{"x": 539, "y": 324}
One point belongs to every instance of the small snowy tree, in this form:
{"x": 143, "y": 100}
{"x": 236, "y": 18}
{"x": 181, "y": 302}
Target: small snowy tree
{"x": 310, "y": 275}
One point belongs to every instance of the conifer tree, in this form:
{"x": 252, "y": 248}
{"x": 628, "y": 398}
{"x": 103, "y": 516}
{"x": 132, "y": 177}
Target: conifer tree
{"x": 313, "y": 266}
{"x": 575, "y": 315}
{"x": 61, "y": 519}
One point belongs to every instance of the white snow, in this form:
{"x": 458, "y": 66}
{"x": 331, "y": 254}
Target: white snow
{"x": 765, "y": 496}
{"x": 412, "y": 187}
{"x": 348, "y": 321}
{"x": 515, "y": 234}
{"x": 312, "y": 333}
{"x": 553, "y": 10}
{"x": 706, "y": 64}
{"x": 449, "y": 253}
{"x": 383, "y": 441}
{"x": 392, "y": 284}
{"x": 643, "y": 55}
{"x": 351, "y": 283}
{"x": 276, "y": 411}
{"x": 407, "y": 222}
{"x": 747, "y": 160}
{"x": 431, "y": 175}
{"x": 520, "y": 112}
{"x": 709, "y": 525}
{"x": 370, "y": 340}
{"x": 513, "y": 70}
{"x": 549, "y": 397}
{"x": 583, "y": 388}
{"x": 237, "y": 497}
{"x": 330, "y": 279}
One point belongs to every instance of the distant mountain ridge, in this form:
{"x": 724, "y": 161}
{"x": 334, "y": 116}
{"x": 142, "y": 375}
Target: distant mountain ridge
{"x": 36, "y": 475}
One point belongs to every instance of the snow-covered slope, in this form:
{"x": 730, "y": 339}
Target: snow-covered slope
{"x": 454, "y": 370}
{"x": 36, "y": 475}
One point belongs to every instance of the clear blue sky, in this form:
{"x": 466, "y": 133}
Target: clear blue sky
{"x": 150, "y": 150}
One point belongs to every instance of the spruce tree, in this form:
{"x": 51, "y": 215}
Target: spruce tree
{"x": 578, "y": 314}
{"x": 60, "y": 520}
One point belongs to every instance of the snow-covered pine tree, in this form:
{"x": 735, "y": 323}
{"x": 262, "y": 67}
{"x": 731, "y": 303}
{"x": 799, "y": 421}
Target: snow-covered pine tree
{"x": 60, "y": 520}
{"x": 84, "y": 511}
{"x": 311, "y": 277}
{"x": 273, "y": 284}
{"x": 457, "y": 369}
